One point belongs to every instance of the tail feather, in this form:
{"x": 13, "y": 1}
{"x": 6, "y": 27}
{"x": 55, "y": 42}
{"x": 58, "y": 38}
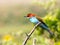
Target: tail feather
{"x": 51, "y": 33}
{"x": 46, "y": 28}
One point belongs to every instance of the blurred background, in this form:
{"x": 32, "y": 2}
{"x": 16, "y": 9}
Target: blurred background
{"x": 13, "y": 24}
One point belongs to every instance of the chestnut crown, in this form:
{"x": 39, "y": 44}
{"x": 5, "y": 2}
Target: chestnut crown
{"x": 30, "y": 15}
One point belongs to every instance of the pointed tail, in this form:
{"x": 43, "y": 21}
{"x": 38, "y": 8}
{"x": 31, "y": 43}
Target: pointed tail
{"x": 51, "y": 33}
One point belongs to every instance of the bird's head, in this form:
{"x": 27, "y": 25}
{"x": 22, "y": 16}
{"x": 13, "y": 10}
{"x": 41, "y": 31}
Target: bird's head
{"x": 30, "y": 15}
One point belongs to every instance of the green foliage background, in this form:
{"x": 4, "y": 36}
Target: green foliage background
{"x": 12, "y": 22}
{"x": 52, "y": 20}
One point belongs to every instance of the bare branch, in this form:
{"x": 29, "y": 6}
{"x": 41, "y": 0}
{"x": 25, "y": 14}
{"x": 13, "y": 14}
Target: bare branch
{"x": 27, "y": 37}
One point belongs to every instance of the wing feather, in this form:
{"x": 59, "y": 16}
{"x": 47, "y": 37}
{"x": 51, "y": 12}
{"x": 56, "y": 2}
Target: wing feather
{"x": 40, "y": 19}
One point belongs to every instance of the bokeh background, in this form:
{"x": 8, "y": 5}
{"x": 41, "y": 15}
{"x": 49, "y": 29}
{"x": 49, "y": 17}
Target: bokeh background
{"x": 13, "y": 24}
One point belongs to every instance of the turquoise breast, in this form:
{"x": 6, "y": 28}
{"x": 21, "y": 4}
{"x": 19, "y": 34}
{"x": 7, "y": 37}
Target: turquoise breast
{"x": 34, "y": 20}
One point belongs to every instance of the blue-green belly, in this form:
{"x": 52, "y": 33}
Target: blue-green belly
{"x": 34, "y": 20}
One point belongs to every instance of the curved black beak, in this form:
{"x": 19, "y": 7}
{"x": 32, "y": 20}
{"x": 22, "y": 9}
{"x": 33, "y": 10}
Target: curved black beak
{"x": 25, "y": 16}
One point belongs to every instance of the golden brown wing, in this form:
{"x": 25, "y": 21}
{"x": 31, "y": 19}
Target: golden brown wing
{"x": 40, "y": 19}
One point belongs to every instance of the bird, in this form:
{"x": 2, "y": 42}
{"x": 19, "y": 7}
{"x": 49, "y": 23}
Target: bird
{"x": 36, "y": 19}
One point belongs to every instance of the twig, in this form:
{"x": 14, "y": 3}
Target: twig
{"x": 26, "y": 34}
{"x": 34, "y": 41}
{"x": 27, "y": 37}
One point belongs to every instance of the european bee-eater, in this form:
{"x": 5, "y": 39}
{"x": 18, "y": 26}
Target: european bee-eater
{"x": 36, "y": 19}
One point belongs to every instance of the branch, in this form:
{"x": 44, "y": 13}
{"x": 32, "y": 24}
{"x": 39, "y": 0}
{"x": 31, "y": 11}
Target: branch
{"x": 26, "y": 39}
